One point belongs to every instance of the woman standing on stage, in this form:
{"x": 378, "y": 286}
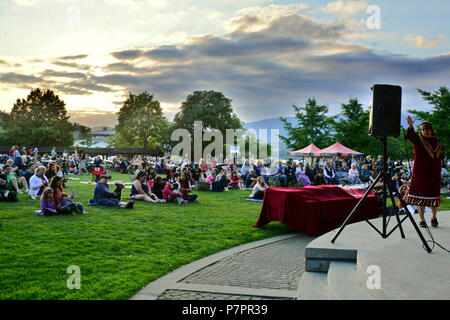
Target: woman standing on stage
{"x": 424, "y": 189}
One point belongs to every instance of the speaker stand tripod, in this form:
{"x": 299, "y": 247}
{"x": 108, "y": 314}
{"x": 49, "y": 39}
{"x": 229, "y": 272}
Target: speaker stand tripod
{"x": 387, "y": 183}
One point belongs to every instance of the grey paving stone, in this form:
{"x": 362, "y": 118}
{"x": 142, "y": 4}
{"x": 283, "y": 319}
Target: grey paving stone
{"x": 172, "y": 294}
{"x": 278, "y": 265}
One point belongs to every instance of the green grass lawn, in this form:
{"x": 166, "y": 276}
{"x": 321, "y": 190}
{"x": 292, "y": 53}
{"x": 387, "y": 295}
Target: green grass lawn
{"x": 118, "y": 250}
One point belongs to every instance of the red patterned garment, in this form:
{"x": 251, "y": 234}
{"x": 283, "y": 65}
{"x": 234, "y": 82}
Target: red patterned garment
{"x": 424, "y": 189}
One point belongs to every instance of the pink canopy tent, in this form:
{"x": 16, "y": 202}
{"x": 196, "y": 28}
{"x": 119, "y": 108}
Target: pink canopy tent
{"x": 310, "y": 151}
{"x": 340, "y": 150}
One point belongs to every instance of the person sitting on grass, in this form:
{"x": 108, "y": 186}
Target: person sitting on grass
{"x": 211, "y": 177}
{"x": 158, "y": 187}
{"x": 51, "y": 171}
{"x": 186, "y": 189}
{"x": 38, "y": 182}
{"x": 103, "y": 197}
{"x": 61, "y": 208}
{"x": 5, "y": 194}
{"x": 140, "y": 189}
{"x": 236, "y": 182}
{"x": 48, "y": 207}
{"x": 171, "y": 193}
{"x": 251, "y": 179}
{"x": 259, "y": 189}
{"x": 12, "y": 182}
{"x": 75, "y": 207}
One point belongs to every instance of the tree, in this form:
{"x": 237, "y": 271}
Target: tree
{"x": 39, "y": 120}
{"x": 210, "y": 107}
{"x": 312, "y": 126}
{"x": 439, "y": 115}
{"x": 141, "y": 122}
{"x": 351, "y": 128}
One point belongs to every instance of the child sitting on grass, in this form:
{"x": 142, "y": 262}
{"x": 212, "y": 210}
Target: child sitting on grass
{"x": 48, "y": 207}
{"x": 74, "y": 207}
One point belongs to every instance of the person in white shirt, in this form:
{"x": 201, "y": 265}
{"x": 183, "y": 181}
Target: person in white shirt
{"x": 353, "y": 175}
{"x": 38, "y": 182}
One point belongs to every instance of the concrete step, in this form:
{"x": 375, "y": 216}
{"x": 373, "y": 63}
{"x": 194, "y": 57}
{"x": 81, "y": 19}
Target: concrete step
{"x": 343, "y": 282}
{"x": 313, "y": 286}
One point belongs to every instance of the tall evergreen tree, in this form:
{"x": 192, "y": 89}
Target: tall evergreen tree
{"x": 312, "y": 126}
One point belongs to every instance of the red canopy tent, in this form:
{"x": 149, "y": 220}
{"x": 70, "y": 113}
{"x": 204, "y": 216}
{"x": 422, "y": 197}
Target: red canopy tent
{"x": 339, "y": 150}
{"x": 310, "y": 151}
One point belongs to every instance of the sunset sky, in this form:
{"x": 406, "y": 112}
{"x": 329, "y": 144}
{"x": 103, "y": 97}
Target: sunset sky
{"x": 265, "y": 55}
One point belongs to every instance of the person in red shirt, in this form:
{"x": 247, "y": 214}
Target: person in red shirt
{"x": 170, "y": 192}
{"x": 424, "y": 188}
{"x": 236, "y": 182}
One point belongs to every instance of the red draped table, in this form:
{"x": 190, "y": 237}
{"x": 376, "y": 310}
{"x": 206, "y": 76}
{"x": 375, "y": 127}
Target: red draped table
{"x": 315, "y": 210}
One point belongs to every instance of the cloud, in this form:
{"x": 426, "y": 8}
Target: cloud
{"x": 422, "y": 42}
{"x": 265, "y": 63}
{"x": 63, "y": 74}
{"x": 345, "y": 8}
{"x": 77, "y": 57}
{"x": 72, "y": 65}
{"x": 16, "y": 78}
{"x": 127, "y": 54}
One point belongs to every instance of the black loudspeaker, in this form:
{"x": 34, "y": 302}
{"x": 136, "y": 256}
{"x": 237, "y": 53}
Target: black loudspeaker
{"x": 386, "y": 111}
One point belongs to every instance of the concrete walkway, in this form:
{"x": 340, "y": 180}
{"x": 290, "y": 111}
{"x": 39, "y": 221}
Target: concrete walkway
{"x": 265, "y": 269}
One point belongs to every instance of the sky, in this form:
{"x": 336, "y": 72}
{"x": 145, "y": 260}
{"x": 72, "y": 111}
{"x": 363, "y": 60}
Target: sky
{"x": 265, "y": 55}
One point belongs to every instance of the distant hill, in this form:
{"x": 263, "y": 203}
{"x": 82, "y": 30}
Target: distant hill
{"x": 270, "y": 124}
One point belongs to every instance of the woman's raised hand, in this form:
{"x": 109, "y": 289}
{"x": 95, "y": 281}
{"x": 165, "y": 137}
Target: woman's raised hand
{"x": 410, "y": 121}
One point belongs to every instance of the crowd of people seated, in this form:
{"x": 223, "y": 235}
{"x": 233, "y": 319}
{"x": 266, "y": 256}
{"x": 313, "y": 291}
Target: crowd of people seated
{"x": 163, "y": 180}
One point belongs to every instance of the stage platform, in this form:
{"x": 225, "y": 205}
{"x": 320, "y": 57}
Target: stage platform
{"x": 406, "y": 271}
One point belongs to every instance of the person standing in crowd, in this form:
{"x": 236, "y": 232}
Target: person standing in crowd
{"x": 424, "y": 188}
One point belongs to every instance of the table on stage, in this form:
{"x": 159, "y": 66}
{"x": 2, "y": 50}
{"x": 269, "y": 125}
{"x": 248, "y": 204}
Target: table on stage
{"x": 315, "y": 210}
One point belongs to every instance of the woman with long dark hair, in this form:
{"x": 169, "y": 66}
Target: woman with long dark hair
{"x": 424, "y": 188}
